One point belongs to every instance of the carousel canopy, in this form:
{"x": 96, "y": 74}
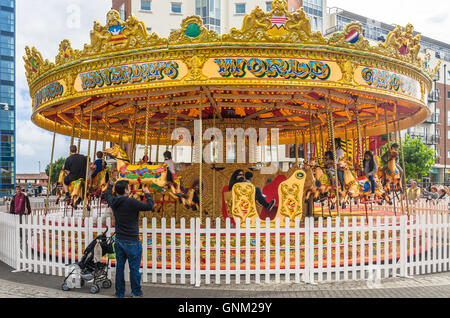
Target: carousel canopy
{"x": 274, "y": 72}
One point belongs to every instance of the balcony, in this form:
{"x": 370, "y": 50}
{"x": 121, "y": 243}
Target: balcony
{"x": 433, "y": 140}
{"x": 434, "y": 97}
{"x": 433, "y": 119}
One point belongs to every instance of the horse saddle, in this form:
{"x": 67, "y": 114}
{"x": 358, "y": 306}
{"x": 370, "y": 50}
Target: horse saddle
{"x": 364, "y": 184}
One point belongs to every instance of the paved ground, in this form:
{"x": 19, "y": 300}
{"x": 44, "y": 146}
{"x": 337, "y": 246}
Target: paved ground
{"x": 31, "y": 285}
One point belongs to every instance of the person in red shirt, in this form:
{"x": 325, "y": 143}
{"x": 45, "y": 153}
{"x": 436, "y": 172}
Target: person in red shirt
{"x": 20, "y": 204}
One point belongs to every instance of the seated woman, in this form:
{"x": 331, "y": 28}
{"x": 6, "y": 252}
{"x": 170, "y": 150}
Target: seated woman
{"x": 370, "y": 169}
{"x": 239, "y": 177}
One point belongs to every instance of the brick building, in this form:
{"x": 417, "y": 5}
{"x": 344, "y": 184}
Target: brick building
{"x": 35, "y": 180}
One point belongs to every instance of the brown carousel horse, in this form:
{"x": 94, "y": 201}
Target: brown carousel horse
{"x": 324, "y": 184}
{"x": 310, "y": 181}
{"x": 351, "y": 184}
{"x": 391, "y": 174}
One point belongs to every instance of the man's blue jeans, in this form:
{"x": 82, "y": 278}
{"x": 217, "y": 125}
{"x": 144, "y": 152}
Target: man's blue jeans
{"x": 131, "y": 251}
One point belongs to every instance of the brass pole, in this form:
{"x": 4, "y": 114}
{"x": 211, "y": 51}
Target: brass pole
{"x": 333, "y": 143}
{"x": 51, "y": 167}
{"x": 87, "y": 164}
{"x": 346, "y": 143}
{"x": 397, "y": 130}
{"x": 214, "y": 170}
{"x": 104, "y": 131}
{"x": 304, "y": 146}
{"x": 81, "y": 128}
{"x": 389, "y": 145}
{"x": 169, "y": 116}
{"x": 147, "y": 115}
{"x": 322, "y": 142}
{"x": 121, "y": 135}
{"x": 403, "y": 162}
{"x": 296, "y": 149}
{"x": 353, "y": 148}
{"x": 316, "y": 152}
{"x": 310, "y": 132}
{"x": 72, "y": 138}
{"x": 158, "y": 142}
{"x": 96, "y": 137}
{"x": 201, "y": 158}
{"x": 387, "y": 125}
{"x": 358, "y": 127}
{"x": 133, "y": 140}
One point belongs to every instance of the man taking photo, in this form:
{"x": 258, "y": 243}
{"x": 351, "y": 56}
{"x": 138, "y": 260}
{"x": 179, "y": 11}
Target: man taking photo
{"x": 127, "y": 245}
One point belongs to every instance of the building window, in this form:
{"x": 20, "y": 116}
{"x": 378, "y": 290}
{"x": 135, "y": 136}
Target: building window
{"x": 240, "y": 8}
{"x": 448, "y": 94}
{"x": 146, "y": 5}
{"x": 448, "y": 154}
{"x": 149, "y": 30}
{"x": 269, "y": 6}
{"x": 176, "y": 7}
{"x": 122, "y": 11}
{"x": 448, "y": 134}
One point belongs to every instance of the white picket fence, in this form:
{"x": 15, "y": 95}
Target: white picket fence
{"x": 349, "y": 248}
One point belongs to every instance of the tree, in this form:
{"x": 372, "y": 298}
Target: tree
{"x": 419, "y": 159}
{"x": 57, "y": 167}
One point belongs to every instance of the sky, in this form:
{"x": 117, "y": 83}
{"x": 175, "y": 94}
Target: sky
{"x": 45, "y": 23}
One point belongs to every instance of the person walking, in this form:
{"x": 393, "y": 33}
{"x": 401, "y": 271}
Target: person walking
{"x": 20, "y": 204}
{"x": 127, "y": 245}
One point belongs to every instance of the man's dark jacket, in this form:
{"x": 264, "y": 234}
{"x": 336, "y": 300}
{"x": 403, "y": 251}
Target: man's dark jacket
{"x": 126, "y": 213}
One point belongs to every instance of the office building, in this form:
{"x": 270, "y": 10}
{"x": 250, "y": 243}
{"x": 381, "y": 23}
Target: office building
{"x": 7, "y": 97}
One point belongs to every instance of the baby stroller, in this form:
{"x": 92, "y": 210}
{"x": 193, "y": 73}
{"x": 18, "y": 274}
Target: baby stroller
{"x": 90, "y": 267}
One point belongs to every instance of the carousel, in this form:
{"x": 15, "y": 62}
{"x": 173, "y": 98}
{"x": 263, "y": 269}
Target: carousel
{"x": 272, "y": 82}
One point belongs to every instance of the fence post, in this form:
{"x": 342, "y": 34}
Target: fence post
{"x": 309, "y": 250}
{"x": 17, "y": 242}
{"x": 403, "y": 246}
{"x": 197, "y": 244}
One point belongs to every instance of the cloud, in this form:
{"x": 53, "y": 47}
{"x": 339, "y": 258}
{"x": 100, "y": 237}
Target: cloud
{"x": 44, "y": 25}
{"x": 438, "y": 18}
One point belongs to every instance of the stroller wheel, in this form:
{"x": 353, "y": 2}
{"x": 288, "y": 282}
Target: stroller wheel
{"x": 94, "y": 289}
{"x": 106, "y": 284}
{"x": 64, "y": 287}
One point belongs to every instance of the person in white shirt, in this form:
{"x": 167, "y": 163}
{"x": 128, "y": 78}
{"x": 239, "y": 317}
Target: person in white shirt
{"x": 340, "y": 154}
{"x": 170, "y": 165}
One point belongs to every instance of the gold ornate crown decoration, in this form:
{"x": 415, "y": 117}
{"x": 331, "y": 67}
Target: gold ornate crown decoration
{"x": 278, "y": 26}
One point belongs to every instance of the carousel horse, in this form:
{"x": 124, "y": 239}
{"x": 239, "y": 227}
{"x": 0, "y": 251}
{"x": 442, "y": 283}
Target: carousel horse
{"x": 310, "y": 181}
{"x": 136, "y": 175}
{"x": 351, "y": 184}
{"x": 153, "y": 177}
{"x": 98, "y": 185}
{"x": 76, "y": 190}
{"x": 324, "y": 184}
{"x": 392, "y": 175}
